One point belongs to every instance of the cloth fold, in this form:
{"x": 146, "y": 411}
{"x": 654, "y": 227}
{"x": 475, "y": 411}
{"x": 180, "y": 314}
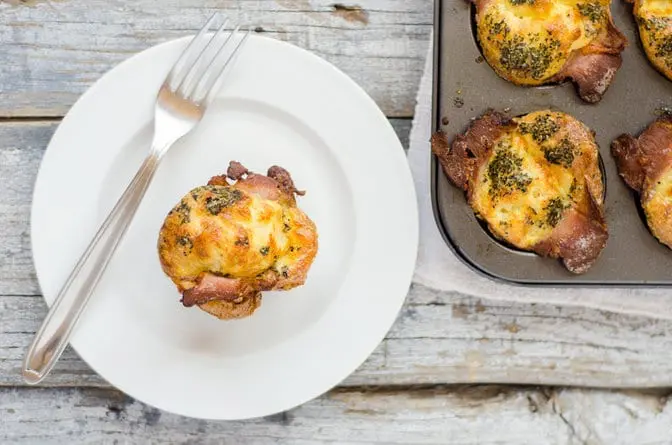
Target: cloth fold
{"x": 437, "y": 267}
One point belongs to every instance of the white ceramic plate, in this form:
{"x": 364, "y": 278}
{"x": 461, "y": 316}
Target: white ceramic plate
{"x": 280, "y": 105}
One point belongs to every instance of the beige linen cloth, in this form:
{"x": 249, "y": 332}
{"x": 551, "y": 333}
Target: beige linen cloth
{"x": 439, "y": 268}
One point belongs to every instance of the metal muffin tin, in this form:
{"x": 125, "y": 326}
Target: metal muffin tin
{"x": 465, "y": 86}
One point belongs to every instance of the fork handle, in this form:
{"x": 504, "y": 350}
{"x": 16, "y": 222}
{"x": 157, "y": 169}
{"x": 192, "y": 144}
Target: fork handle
{"x": 54, "y": 334}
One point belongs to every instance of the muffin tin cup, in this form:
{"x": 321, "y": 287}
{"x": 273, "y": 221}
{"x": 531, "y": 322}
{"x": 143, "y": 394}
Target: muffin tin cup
{"x": 465, "y": 86}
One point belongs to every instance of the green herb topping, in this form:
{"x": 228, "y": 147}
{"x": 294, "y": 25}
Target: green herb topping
{"x": 664, "y": 49}
{"x": 183, "y": 210}
{"x": 593, "y": 11}
{"x": 185, "y": 242}
{"x": 542, "y": 129}
{"x": 506, "y": 175}
{"x": 660, "y": 29}
{"x": 531, "y": 56}
{"x": 560, "y": 154}
{"x": 495, "y": 28}
{"x": 554, "y": 210}
{"x": 654, "y": 23}
{"x": 221, "y": 198}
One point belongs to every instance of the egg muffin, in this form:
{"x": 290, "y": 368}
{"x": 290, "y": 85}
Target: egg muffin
{"x": 535, "y": 180}
{"x": 225, "y": 243}
{"x": 537, "y": 42}
{"x": 645, "y": 164}
{"x": 654, "y": 20}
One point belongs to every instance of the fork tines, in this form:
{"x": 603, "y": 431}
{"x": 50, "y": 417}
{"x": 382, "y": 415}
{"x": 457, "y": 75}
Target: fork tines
{"x": 204, "y": 61}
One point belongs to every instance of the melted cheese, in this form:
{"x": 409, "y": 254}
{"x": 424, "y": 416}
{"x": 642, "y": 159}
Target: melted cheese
{"x": 528, "y": 42}
{"x": 242, "y": 238}
{"x": 546, "y": 158}
{"x": 655, "y": 29}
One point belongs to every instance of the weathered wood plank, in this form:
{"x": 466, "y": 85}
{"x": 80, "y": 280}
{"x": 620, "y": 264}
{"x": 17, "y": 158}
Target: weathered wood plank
{"x": 21, "y": 147}
{"x": 456, "y": 415}
{"x": 446, "y": 338}
{"x": 439, "y": 337}
{"x": 52, "y": 51}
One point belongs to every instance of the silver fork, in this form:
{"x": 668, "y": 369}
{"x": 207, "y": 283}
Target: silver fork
{"x": 181, "y": 103}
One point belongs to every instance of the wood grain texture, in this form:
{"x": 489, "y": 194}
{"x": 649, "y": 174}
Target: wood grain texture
{"x": 484, "y": 415}
{"x": 439, "y": 337}
{"x": 53, "y": 51}
{"x": 445, "y": 338}
{"x": 21, "y": 147}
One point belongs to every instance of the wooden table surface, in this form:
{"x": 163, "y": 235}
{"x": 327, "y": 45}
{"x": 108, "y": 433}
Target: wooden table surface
{"x": 438, "y": 376}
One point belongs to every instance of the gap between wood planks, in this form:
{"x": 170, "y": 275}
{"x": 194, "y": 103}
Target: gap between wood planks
{"x": 29, "y": 119}
{"x": 401, "y": 125}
